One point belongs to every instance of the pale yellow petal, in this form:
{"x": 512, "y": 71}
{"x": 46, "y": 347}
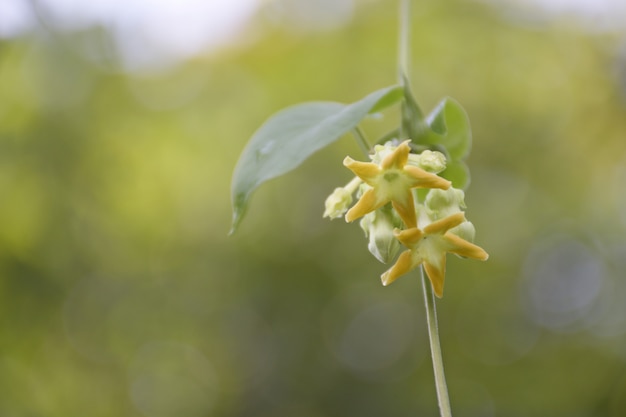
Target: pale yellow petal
{"x": 462, "y": 247}
{"x": 409, "y": 237}
{"x": 403, "y": 265}
{"x": 436, "y": 271}
{"x": 422, "y": 179}
{"x": 367, "y": 171}
{"x": 445, "y": 224}
{"x": 368, "y": 202}
{"x": 398, "y": 158}
{"x": 406, "y": 208}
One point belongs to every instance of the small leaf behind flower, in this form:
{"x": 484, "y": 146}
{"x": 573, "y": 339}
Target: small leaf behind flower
{"x": 450, "y": 124}
{"x": 412, "y": 126}
{"x": 290, "y": 136}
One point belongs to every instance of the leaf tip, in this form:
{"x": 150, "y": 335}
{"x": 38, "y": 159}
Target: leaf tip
{"x": 239, "y": 209}
{"x": 238, "y": 214}
{"x": 234, "y": 224}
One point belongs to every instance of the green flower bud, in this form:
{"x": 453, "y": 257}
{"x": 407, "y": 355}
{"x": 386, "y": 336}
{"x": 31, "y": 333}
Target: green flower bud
{"x": 430, "y": 161}
{"x": 378, "y": 227}
{"x": 443, "y": 203}
{"x": 465, "y": 230}
{"x": 338, "y": 203}
{"x": 381, "y": 151}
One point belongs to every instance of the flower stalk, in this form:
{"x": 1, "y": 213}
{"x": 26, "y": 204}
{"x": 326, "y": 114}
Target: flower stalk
{"x": 443, "y": 399}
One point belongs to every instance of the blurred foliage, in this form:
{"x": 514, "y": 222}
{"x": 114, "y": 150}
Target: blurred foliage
{"x": 121, "y": 295}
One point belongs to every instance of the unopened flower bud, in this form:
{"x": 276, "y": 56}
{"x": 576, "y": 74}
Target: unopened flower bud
{"x": 430, "y": 161}
{"x": 338, "y": 203}
{"x": 379, "y": 226}
{"x": 443, "y": 203}
{"x": 465, "y": 230}
{"x": 381, "y": 151}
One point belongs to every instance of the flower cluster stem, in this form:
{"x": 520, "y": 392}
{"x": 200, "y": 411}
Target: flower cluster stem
{"x": 403, "y": 40}
{"x": 435, "y": 348}
{"x": 361, "y": 140}
{"x": 429, "y": 296}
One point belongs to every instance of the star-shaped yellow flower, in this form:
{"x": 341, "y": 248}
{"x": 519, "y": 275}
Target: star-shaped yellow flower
{"x": 429, "y": 248}
{"x": 391, "y": 181}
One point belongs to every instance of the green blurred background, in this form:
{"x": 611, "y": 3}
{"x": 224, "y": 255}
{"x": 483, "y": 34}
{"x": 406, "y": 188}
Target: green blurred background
{"x": 121, "y": 294}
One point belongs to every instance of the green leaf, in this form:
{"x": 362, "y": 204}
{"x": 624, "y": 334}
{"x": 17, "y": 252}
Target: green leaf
{"x": 393, "y": 95}
{"x": 290, "y": 136}
{"x": 450, "y": 128}
{"x": 412, "y": 117}
{"x": 458, "y": 173}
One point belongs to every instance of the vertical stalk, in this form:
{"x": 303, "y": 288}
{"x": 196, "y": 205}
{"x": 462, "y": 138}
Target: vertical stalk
{"x": 403, "y": 41}
{"x": 412, "y": 122}
{"x": 410, "y": 111}
{"x": 435, "y": 348}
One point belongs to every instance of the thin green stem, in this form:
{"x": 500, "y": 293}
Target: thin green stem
{"x": 411, "y": 111}
{"x": 412, "y": 117}
{"x": 403, "y": 40}
{"x": 435, "y": 348}
{"x": 361, "y": 140}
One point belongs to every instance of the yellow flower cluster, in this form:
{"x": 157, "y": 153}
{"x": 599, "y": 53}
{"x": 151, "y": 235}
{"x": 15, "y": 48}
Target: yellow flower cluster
{"x": 431, "y": 230}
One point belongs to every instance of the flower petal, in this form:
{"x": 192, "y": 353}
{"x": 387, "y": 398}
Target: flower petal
{"x": 398, "y": 158}
{"x": 409, "y": 237}
{"x": 422, "y": 179}
{"x": 368, "y": 202}
{"x": 403, "y": 265}
{"x": 367, "y": 171}
{"x": 406, "y": 208}
{"x": 445, "y": 224}
{"x": 436, "y": 271}
{"x": 464, "y": 248}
